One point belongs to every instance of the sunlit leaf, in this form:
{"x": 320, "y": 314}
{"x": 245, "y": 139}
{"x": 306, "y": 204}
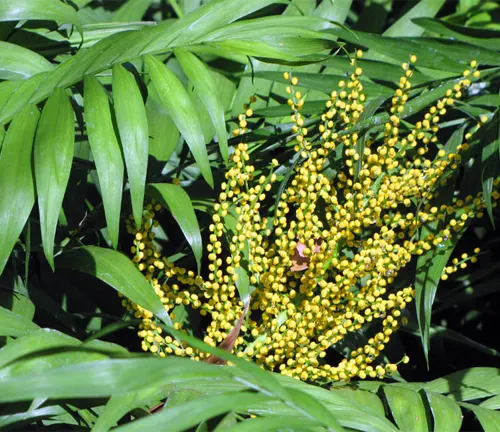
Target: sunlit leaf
{"x": 119, "y": 272}
{"x": 200, "y": 78}
{"x": 132, "y": 124}
{"x": 53, "y": 154}
{"x": 407, "y": 409}
{"x": 445, "y": 412}
{"x": 38, "y": 10}
{"x": 20, "y": 63}
{"x": 174, "y": 97}
{"x": 179, "y": 204}
{"x": 16, "y": 179}
{"x": 106, "y": 152}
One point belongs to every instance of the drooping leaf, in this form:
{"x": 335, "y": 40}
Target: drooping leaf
{"x": 108, "y": 377}
{"x": 276, "y": 423}
{"x": 482, "y": 37}
{"x": 173, "y": 95}
{"x": 120, "y": 405}
{"x": 106, "y": 152}
{"x": 489, "y": 419}
{"x": 299, "y": 400}
{"x": 430, "y": 265}
{"x": 132, "y": 10}
{"x": 12, "y": 324}
{"x": 133, "y": 128}
{"x": 489, "y": 161}
{"x": 467, "y": 384}
{"x": 445, "y": 412}
{"x": 118, "y": 272}
{"x": 20, "y": 63}
{"x": 407, "y": 409}
{"x": 185, "y": 416}
{"x": 126, "y": 46}
{"x": 179, "y": 204}
{"x": 400, "y": 50}
{"x": 17, "y": 187}
{"x": 201, "y": 79}
{"x": 491, "y": 403}
{"x": 38, "y": 10}
{"x": 46, "y": 340}
{"x": 53, "y": 154}
{"x": 163, "y": 134}
{"x": 404, "y": 25}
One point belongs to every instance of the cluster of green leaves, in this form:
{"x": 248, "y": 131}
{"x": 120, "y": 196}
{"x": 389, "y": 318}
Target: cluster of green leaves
{"x": 90, "y": 92}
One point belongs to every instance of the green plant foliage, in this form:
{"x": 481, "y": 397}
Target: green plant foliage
{"x": 115, "y": 115}
{"x": 53, "y": 154}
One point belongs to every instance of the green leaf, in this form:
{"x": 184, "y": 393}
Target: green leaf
{"x": 484, "y": 38}
{"x": 276, "y": 423}
{"x": 467, "y": 384}
{"x": 243, "y": 284}
{"x": 407, "y": 408}
{"x": 106, "y": 152}
{"x": 400, "y": 50}
{"x": 446, "y": 413}
{"x": 122, "y": 47}
{"x": 39, "y": 413}
{"x": 54, "y": 10}
{"x": 268, "y": 27}
{"x": 297, "y": 399}
{"x": 370, "y": 402}
{"x": 179, "y": 204}
{"x": 491, "y": 403}
{"x": 209, "y": 17}
{"x": 285, "y": 48}
{"x": 404, "y": 26}
{"x": 14, "y": 325}
{"x": 105, "y": 378}
{"x": 39, "y": 341}
{"x": 118, "y": 406}
{"x": 457, "y": 337}
{"x": 489, "y": 419}
{"x": 185, "y": 416}
{"x": 16, "y": 179}
{"x": 53, "y": 154}
{"x": 132, "y": 10}
{"x": 162, "y": 131}
{"x": 323, "y": 82}
{"x": 430, "y": 265}
{"x": 20, "y": 63}
{"x": 174, "y": 97}
{"x": 489, "y": 162}
{"x": 119, "y": 272}
{"x": 376, "y": 70}
{"x": 462, "y": 52}
{"x": 132, "y": 124}
{"x": 203, "y": 83}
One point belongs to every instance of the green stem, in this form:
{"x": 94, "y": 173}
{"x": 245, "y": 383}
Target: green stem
{"x": 176, "y": 8}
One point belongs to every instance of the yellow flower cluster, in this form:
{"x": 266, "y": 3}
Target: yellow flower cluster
{"x": 322, "y": 262}
{"x": 457, "y": 264}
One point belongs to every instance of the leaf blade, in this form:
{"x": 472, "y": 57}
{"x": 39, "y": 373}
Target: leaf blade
{"x": 179, "y": 204}
{"x": 118, "y": 272}
{"x": 20, "y": 63}
{"x": 53, "y": 154}
{"x": 106, "y": 152}
{"x": 14, "y": 325}
{"x": 174, "y": 97}
{"x": 16, "y": 179}
{"x": 200, "y": 77}
{"x": 133, "y": 128}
